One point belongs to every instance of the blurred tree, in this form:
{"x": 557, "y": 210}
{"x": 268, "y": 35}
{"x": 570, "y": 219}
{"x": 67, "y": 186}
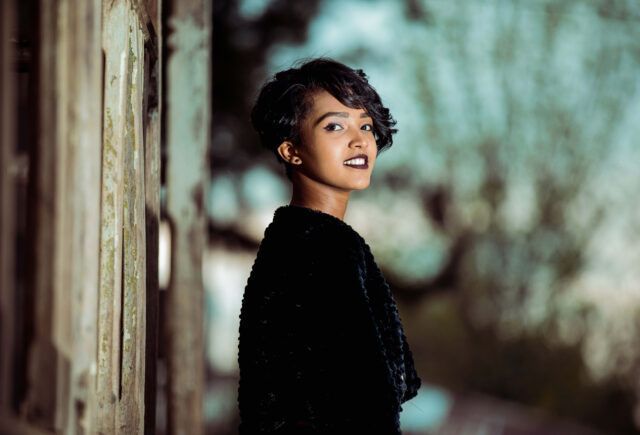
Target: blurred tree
{"x": 521, "y": 194}
{"x": 517, "y": 123}
{"x": 242, "y": 41}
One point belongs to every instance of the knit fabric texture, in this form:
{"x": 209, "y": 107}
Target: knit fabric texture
{"x": 321, "y": 346}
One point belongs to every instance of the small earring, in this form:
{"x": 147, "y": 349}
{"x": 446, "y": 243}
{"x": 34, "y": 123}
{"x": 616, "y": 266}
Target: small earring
{"x": 295, "y": 160}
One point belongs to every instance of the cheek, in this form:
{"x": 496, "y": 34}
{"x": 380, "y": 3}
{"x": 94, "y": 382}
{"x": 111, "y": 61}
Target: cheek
{"x": 327, "y": 152}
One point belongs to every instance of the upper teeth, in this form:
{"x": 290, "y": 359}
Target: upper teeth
{"x": 356, "y": 161}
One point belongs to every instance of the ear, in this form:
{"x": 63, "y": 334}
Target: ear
{"x": 289, "y": 153}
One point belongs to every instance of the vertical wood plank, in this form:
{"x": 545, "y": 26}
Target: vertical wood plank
{"x": 76, "y": 146}
{"x": 40, "y": 403}
{"x": 91, "y": 301}
{"x": 61, "y": 330}
{"x": 116, "y": 78}
{"x": 187, "y": 116}
{"x": 85, "y": 137}
{"x": 131, "y": 410}
{"x": 152, "y": 131}
{"x": 64, "y": 156}
{"x": 122, "y": 358}
{"x": 63, "y": 224}
{"x": 7, "y": 201}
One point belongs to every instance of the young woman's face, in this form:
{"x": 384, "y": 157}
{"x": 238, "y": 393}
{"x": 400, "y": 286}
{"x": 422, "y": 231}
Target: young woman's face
{"x": 332, "y": 134}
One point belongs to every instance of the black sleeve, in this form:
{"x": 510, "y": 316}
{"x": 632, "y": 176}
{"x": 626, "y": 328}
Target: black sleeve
{"x": 324, "y": 369}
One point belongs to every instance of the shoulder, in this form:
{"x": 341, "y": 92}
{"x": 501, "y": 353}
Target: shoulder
{"x": 305, "y": 229}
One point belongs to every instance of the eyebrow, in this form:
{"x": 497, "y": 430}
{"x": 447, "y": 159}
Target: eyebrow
{"x": 340, "y": 114}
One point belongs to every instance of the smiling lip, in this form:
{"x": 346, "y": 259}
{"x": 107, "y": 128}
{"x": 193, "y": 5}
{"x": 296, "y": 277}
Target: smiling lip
{"x": 365, "y": 166}
{"x": 363, "y": 156}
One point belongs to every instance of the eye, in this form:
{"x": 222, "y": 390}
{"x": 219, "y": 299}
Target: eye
{"x": 367, "y": 127}
{"x": 333, "y": 127}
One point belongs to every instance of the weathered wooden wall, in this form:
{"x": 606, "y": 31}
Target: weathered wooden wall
{"x": 76, "y": 65}
{"x": 122, "y": 313}
{"x": 91, "y": 308}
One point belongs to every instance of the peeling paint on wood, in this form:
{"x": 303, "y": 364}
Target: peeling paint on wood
{"x": 97, "y": 206}
{"x": 131, "y": 411}
{"x": 108, "y": 367}
{"x": 122, "y": 335}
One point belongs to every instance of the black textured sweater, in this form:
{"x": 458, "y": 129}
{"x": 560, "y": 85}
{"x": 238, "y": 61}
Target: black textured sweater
{"x": 321, "y": 349}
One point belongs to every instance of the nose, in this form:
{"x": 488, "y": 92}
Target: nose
{"x": 359, "y": 140}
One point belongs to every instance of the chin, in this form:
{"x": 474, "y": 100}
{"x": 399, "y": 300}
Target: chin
{"x": 361, "y": 186}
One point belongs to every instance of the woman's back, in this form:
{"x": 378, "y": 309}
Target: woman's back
{"x": 321, "y": 343}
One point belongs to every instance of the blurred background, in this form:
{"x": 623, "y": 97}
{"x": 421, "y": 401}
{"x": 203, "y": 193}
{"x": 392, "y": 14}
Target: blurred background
{"x": 135, "y": 194}
{"x": 505, "y": 216}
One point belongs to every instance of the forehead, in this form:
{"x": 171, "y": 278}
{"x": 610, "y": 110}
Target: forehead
{"x": 322, "y": 101}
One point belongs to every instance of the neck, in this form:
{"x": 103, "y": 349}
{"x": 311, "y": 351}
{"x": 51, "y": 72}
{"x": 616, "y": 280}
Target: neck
{"x": 307, "y": 193}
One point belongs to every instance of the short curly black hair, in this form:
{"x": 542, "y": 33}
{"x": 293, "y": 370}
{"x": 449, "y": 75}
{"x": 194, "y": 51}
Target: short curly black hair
{"x": 285, "y": 100}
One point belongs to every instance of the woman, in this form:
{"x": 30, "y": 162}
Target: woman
{"x": 322, "y": 348}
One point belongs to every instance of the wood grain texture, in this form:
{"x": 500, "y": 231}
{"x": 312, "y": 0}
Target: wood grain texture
{"x": 74, "y": 134}
{"x": 123, "y": 286}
